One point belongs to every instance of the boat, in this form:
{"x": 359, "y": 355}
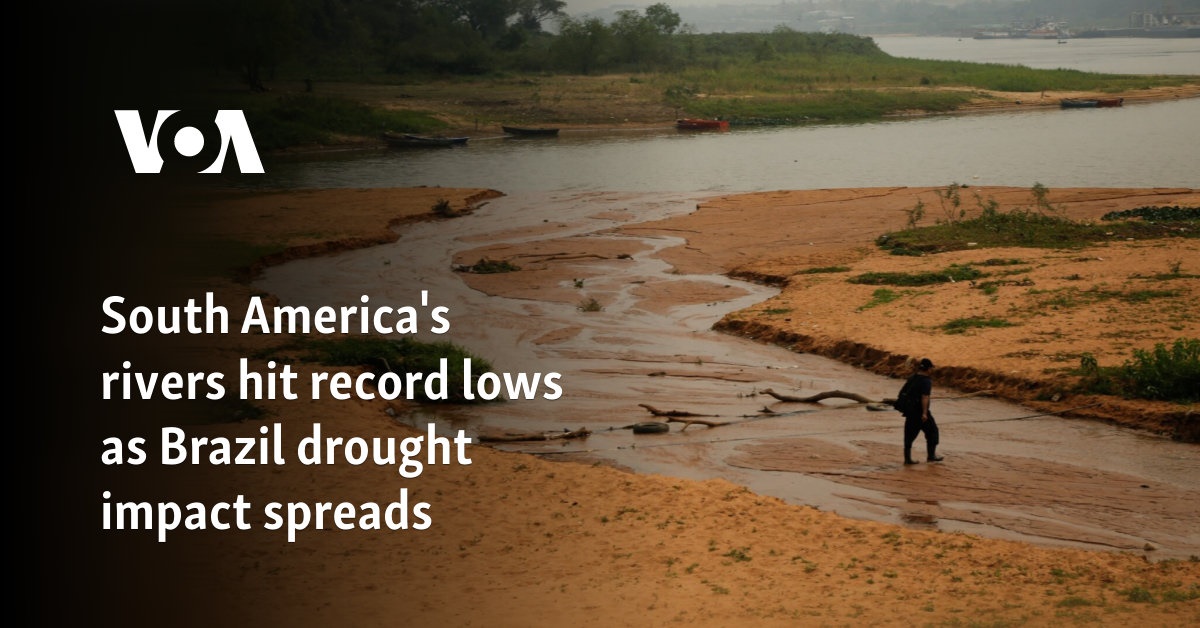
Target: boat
{"x": 530, "y": 131}
{"x": 1075, "y": 103}
{"x": 698, "y": 124}
{"x": 403, "y": 140}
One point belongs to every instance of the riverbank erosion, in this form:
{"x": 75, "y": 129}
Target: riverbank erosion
{"x": 516, "y": 540}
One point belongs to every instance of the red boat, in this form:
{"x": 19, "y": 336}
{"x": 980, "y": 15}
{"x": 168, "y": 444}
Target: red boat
{"x": 1110, "y": 102}
{"x": 696, "y": 124}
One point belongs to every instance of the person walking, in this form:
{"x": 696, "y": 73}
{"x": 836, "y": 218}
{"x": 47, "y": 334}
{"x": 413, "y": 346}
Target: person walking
{"x": 917, "y": 418}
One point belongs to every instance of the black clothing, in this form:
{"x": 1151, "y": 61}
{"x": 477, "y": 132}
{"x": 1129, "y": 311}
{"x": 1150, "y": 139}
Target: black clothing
{"x": 913, "y": 423}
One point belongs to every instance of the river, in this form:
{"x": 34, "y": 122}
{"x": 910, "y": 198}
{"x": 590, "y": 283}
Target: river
{"x": 1043, "y": 480}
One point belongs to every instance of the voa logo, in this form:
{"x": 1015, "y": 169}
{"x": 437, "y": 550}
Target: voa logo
{"x": 189, "y": 142}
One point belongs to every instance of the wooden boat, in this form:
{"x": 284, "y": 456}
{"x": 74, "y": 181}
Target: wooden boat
{"x": 530, "y": 131}
{"x": 1091, "y": 102}
{"x": 403, "y": 140}
{"x": 699, "y": 124}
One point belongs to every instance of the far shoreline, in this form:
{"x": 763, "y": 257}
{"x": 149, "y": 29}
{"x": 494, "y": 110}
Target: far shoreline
{"x": 985, "y": 102}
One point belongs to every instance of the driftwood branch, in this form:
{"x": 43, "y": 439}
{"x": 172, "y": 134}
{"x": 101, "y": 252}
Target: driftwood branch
{"x": 682, "y": 416}
{"x": 689, "y": 422}
{"x": 669, "y": 413}
{"x": 518, "y": 437}
{"x": 832, "y": 394}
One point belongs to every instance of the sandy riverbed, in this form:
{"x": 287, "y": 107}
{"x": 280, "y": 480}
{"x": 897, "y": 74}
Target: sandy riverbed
{"x": 520, "y": 541}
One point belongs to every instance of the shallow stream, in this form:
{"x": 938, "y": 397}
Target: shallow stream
{"x": 1007, "y": 473}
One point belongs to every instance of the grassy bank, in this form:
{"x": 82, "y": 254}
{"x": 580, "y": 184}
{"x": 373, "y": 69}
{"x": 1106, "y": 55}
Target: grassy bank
{"x": 788, "y": 89}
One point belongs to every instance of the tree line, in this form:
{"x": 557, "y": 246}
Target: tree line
{"x": 259, "y": 40}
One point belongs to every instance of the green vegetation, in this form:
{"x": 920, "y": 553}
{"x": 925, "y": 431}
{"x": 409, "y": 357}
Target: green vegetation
{"x": 338, "y": 49}
{"x": 1066, "y": 298}
{"x": 1040, "y": 226}
{"x": 1155, "y": 213}
{"x": 1138, "y": 594}
{"x": 302, "y": 119}
{"x": 961, "y": 325}
{"x": 954, "y": 272}
{"x": 738, "y": 554}
{"x": 773, "y": 105}
{"x": 401, "y": 357}
{"x": 881, "y": 296}
{"x": 824, "y": 269}
{"x": 1164, "y": 373}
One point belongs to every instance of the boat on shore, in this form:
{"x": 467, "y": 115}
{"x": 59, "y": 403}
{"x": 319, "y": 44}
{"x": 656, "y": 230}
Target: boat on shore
{"x": 701, "y": 124}
{"x": 530, "y": 131}
{"x": 1078, "y": 103}
{"x": 405, "y": 140}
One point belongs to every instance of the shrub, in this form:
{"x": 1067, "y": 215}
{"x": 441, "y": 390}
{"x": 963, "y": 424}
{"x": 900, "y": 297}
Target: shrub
{"x": 589, "y": 305}
{"x": 442, "y": 208}
{"x": 1162, "y": 373}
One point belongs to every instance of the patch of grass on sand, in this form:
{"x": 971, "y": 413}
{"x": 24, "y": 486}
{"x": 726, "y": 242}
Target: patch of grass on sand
{"x": 1067, "y": 298}
{"x": 954, "y": 272}
{"x": 881, "y": 296}
{"x": 961, "y": 325}
{"x": 824, "y": 269}
{"x": 1038, "y": 226}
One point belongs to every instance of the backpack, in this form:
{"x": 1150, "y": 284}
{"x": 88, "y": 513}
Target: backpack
{"x": 906, "y": 401}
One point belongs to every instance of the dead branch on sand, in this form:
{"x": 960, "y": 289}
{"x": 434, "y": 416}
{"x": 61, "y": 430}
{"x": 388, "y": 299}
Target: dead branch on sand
{"x": 518, "y": 437}
{"x": 683, "y": 416}
{"x": 656, "y": 412}
{"x": 831, "y": 394}
{"x": 689, "y": 422}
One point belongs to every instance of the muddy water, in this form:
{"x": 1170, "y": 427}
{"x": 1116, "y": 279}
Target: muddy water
{"x": 1007, "y": 474}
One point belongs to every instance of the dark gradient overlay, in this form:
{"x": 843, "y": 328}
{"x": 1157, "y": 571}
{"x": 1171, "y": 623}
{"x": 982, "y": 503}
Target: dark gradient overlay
{"x": 89, "y": 227}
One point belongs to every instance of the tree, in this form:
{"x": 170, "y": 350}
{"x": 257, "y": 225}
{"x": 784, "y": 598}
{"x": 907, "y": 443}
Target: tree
{"x": 636, "y": 37}
{"x": 665, "y": 20}
{"x": 257, "y": 36}
{"x": 531, "y": 13}
{"x": 581, "y": 43}
{"x": 489, "y": 18}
